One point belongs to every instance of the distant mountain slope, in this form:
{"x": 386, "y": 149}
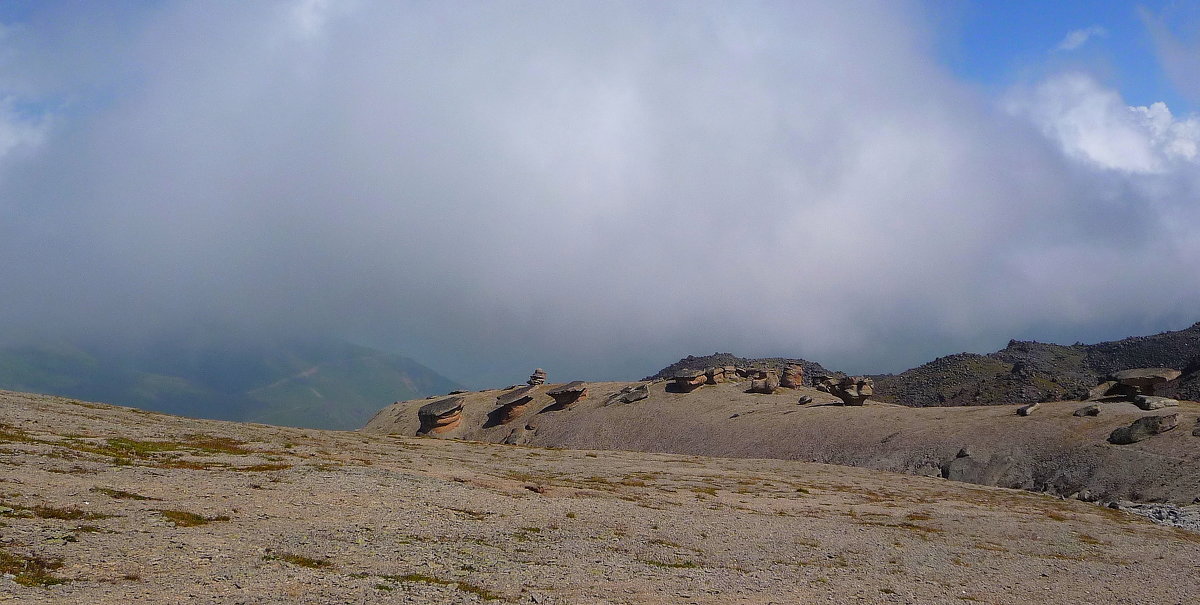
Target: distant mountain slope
{"x": 1022, "y": 372}
{"x": 692, "y": 362}
{"x": 1033, "y": 371}
{"x": 315, "y": 383}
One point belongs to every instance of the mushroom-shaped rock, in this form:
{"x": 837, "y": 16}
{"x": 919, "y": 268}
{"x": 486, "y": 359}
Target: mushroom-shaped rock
{"x": 688, "y": 380}
{"x": 440, "y": 416}
{"x": 852, "y": 390}
{"x": 513, "y": 404}
{"x": 566, "y": 395}
{"x": 537, "y": 377}
{"x": 766, "y": 385}
{"x": 1153, "y": 402}
{"x": 1143, "y": 428}
{"x": 793, "y": 376}
{"x": 1143, "y": 381}
{"x": 629, "y": 394}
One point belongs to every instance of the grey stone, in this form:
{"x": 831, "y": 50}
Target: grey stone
{"x": 1152, "y": 402}
{"x": 1143, "y": 428}
{"x": 629, "y": 394}
{"x": 1026, "y": 410}
{"x": 1088, "y": 410}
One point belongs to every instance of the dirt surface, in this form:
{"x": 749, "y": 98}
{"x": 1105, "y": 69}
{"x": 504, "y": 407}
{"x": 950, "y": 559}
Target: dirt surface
{"x": 305, "y": 516}
{"x": 1052, "y": 450}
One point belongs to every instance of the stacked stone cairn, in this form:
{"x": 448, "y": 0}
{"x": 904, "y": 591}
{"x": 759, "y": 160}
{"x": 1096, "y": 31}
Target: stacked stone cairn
{"x": 538, "y": 377}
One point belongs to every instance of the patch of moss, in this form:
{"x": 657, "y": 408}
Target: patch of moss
{"x": 30, "y": 571}
{"x": 185, "y": 519}
{"x": 120, "y": 494}
{"x": 300, "y": 560}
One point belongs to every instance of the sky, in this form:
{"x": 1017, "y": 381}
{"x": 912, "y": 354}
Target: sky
{"x": 601, "y": 188}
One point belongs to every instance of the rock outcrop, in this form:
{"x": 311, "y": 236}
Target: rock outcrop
{"x": 766, "y": 385}
{"x": 687, "y": 381}
{"x": 793, "y": 376}
{"x": 566, "y": 395}
{"x": 512, "y": 405}
{"x": 440, "y": 416}
{"x": 629, "y": 394}
{"x": 537, "y": 377}
{"x": 1141, "y": 381}
{"x": 852, "y": 390}
{"x": 1143, "y": 428}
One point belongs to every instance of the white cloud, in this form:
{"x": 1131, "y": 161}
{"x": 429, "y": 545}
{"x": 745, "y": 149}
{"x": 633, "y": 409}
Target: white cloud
{"x": 1093, "y": 123}
{"x": 601, "y": 186}
{"x": 1077, "y": 38}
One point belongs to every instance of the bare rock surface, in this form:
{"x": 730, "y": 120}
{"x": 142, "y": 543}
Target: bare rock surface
{"x": 1052, "y": 451}
{"x": 121, "y": 506}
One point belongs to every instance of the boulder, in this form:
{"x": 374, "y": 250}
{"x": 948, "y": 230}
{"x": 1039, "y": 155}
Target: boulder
{"x": 731, "y": 374}
{"x": 513, "y": 404}
{"x": 715, "y": 375}
{"x": 440, "y": 416}
{"x": 687, "y": 381}
{"x": 1143, "y": 428}
{"x": 566, "y": 395}
{"x": 537, "y": 377}
{"x": 1026, "y": 410}
{"x": 1088, "y": 410}
{"x": 793, "y": 377}
{"x": 805, "y": 400}
{"x": 766, "y": 385}
{"x": 1101, "y": 390}
{"x": 1153, "y": 402}
{"x": 629, "y": 394}
{"x": 1142, "y": 381}
{"x": 852, "y": 390}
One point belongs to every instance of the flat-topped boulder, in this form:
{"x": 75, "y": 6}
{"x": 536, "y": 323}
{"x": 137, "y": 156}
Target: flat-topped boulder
{"x": 566, "y": 395}
{"x": 1141, "y": 381}
{"x": 513, "y": 404}
{"x": 687, "y": 381}
{"x": 1143, "y": 428}
{"x": 441, "y": 416}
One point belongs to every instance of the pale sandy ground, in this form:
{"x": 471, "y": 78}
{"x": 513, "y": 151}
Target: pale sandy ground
{"x": 403, "y": 520}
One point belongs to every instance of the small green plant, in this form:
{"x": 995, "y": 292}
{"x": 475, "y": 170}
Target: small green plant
{"x": 671, "y": 564}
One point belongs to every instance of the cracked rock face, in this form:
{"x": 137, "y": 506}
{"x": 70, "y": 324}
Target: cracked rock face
{"x": 440, "y": 416}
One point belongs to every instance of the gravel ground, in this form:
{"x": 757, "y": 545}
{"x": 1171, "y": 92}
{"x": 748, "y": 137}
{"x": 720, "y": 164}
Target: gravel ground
{"x": 124, "y": 506}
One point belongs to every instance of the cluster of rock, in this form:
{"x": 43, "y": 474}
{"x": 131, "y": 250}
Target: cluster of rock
{"x": 629, "y": 394}
{"x": 1136, "y": 386}
{"x": 440, "y": 416}
{"x": 762, "y": 380}
{"x": 852, "y": 390}
{"x": 537, "y": 377}
{"x": 1129, "y": 384}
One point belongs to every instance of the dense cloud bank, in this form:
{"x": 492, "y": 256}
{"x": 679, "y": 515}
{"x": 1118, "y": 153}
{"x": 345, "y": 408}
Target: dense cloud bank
{"x": 596, "y": 188}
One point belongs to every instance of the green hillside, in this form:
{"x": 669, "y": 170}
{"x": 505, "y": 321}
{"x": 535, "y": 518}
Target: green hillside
{"x": 222, "y": 375}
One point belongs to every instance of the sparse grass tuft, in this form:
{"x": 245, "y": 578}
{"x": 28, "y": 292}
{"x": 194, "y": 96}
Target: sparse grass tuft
{"x": 185, "y": 519}
{"x": 300, "y": 560}
{"x": 120, "y": 494}
{"x": 682, "y": 564}
{"x": 30, "y": 571}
